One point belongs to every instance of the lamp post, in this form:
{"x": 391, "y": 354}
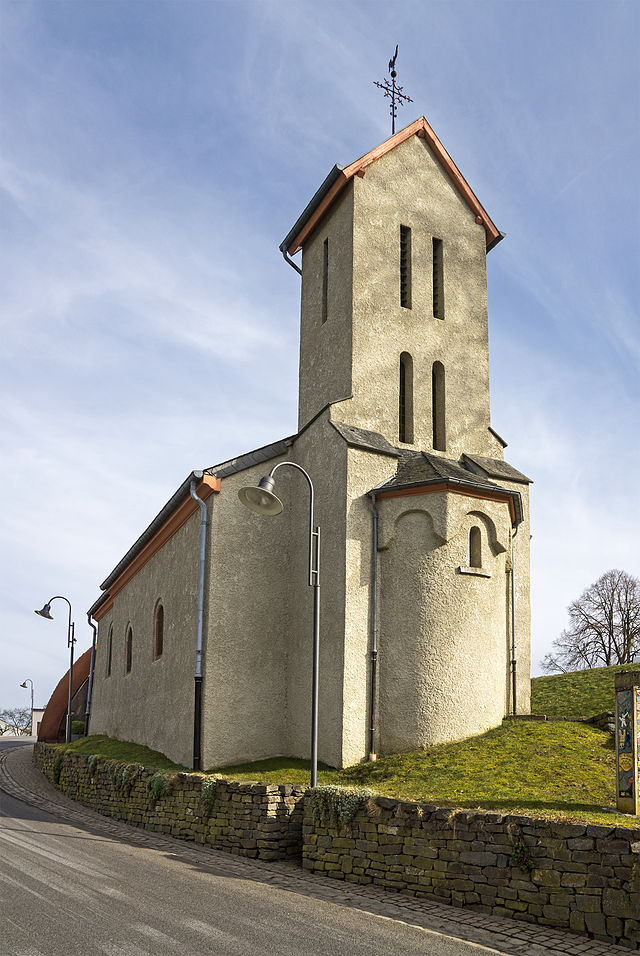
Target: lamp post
{"x": 263, "y": 501}
{"x": 46, "y": 613}
{"x": 24, "y": 683}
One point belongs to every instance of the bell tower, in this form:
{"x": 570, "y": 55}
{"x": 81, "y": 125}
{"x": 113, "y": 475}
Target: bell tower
{"x": 394, "y": 321}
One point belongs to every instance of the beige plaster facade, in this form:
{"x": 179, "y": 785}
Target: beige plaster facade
{"x": 444, "y": 617}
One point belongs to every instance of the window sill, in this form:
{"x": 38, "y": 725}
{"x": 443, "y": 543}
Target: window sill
{"x": 476, "y": 572}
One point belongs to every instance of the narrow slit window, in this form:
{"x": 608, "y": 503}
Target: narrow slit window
{"x": 438, "y": 280}
{"x": 405, "y": 405}
{"x": 109, "y": 650}
{"x": 405, "y": 267}
{"x": 438, "y": 407}
{"x": 128, "y": 653}
{"x": 475, "y": 548}
{"x": 325, "y": 280}
{"x": 158, "y": 632}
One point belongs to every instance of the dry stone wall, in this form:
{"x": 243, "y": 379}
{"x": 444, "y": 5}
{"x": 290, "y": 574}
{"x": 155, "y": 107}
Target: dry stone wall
{"x": 573, "y": 876}
{"x": 255, "y": 820}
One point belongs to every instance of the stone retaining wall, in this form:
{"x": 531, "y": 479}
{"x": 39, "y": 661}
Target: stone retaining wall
{"x": 572, "y": 876}
{"x": 255, "y": 820}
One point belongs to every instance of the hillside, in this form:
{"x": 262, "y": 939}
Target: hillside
{"x": 578, "y": 694}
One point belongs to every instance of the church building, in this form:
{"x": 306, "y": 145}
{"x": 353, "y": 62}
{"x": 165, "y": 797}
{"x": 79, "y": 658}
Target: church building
{"x": 424, "y": 608}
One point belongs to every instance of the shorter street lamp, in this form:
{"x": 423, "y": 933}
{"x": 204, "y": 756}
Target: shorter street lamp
{"x": 263, "y": 501}
{"x": 24, "y": 684}
{"x": 46, "y": 613}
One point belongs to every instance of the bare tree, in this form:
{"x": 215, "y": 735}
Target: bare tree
{"x": 18, "y": 719}
{"x": 604, "y": 626}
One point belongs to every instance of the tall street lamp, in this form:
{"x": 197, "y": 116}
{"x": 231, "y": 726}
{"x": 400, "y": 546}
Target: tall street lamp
{"x": 46, "y": 613}
{"x": 263, "y": 501}
{"x": 24, "y": 683}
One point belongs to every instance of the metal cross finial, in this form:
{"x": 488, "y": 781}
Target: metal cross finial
{"x": 393, "y": 91}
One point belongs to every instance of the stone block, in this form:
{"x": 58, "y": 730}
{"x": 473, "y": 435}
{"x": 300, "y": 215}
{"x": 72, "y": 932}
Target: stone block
{"x": 618, "y": 903}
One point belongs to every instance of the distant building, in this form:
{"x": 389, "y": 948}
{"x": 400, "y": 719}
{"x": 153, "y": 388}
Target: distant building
{"x": 393, "y": 406}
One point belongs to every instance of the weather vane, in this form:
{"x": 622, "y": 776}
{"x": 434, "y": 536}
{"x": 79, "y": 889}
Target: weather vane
{"x": 393, "y": 91}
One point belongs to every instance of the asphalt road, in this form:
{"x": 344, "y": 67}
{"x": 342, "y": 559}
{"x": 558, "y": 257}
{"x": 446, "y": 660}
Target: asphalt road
{"x": 65, "y": 890}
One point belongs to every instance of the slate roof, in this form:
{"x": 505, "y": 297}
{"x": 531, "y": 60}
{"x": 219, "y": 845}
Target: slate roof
{"x": 417, "y": 468}
{"x": 498, "y": 469}
{"x": 266, "y": 453}
{"x": 362, "y": 438}
{"x": 420, "y": 468}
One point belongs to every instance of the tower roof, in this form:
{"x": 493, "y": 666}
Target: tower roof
{"x": 340, "y": 176}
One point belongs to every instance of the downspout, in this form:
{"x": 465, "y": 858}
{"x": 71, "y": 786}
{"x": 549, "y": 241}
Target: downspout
{"x": 513, "y": 621}
{"x": 197, "y": 709}
{"x": 91, "y": 667}
{"x": 291, "y": 262}
{"x": 374, "y": 627}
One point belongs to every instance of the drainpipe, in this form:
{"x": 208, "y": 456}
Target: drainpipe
{"x": 513, "y": 621}
{"x": 374, "y": 638}
{"x": 91, "y": 667}
{"x": 197, "y": 710}
{"x": 291, "y": 262}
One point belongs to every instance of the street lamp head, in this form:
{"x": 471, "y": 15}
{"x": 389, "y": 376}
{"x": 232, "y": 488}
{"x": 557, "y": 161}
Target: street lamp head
{"x": 45, "y": 612}
{"x": 24, "y": 684}
{"x": 260, "y": 498}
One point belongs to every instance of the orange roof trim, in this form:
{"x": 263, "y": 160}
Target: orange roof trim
{"x": 207, "y": 486}
{"x": 487, "y": 495}
{"x": 421, "y": 129}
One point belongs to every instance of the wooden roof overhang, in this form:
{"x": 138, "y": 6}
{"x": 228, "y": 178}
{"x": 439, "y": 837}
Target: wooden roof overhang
{"x": 339, "y": 177}
{"x": 149, "y": 543}
{"x": 512, "y": 499}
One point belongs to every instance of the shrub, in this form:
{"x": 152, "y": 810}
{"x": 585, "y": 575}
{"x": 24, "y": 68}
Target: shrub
{"x": 337, "y": 806}
{"x": 209, "y": 793}
{"x": 124, "y": 775}
{"x": 57, "y": 769}
{"x": 159, "y": 786}
{"x": 521, "y": 856}
{"x": 77, "y": 728}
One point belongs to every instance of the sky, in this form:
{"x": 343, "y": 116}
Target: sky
{"x": 153, "y": 156}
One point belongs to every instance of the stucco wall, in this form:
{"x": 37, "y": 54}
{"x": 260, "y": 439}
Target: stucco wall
{"x": 247, "y": 625}
{"x": 323, "y": 453}
{"x": 325, "y": 347}
{"x": 153, "y": 704}
{"x": 443, "y": 632}
{"x": 365, "y": 471}
{"x": 408, "y": 187}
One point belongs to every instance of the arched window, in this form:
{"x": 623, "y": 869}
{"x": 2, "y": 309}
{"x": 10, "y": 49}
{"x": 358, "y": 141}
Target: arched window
{"x": 405, "y": 409}
{"x": 158, "y": 631}
{"x": 475, "y": 548}
{"x": 128, "y": 649}
{"x": 438, "y": 407}
{"x": 109, "y": 650}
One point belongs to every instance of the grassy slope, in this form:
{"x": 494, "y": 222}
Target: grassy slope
{"x": 111, "y": 749}
{"x": 579, "y": 694}
{"x": 547, "y": 769}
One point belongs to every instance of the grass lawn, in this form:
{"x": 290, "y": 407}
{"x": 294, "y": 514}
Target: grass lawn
{"x": 564, "y": 770}
{"x": 108, "y": 748}
{"x": 579, "y": 694}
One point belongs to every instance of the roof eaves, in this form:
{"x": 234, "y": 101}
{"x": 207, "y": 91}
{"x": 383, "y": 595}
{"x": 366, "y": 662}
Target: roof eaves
{"x": 340, "y": 176}
{"x": 150, "y": 530}
{"x": 266, "y": 452}
{"x": 311, "y": 207}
